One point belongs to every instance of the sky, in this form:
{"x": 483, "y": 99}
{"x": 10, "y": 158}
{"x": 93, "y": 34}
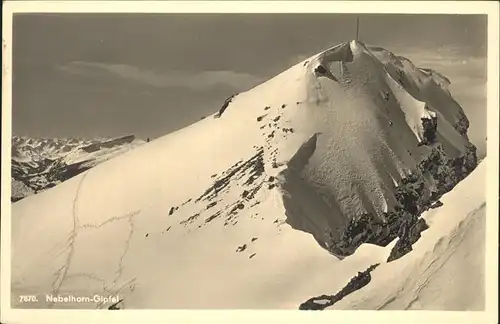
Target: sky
{"x": 94, "y": 75}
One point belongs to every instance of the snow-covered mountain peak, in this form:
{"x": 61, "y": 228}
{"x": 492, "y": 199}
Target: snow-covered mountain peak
{"x": 345, "y": 148}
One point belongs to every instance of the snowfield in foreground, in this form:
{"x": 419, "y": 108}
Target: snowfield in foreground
{"x": 289, "y": 191}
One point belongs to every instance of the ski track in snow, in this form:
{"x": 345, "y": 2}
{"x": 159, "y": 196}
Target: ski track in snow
{"x": 62, "y": 273}
{"x": 127, "y": 245}
{"x": 435, "y": 265}
{"x": 455, "y": 241}
{"x": 64, "y": 269}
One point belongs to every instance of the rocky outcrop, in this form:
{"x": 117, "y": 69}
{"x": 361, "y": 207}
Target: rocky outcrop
{"x": 116, "y": 306}
{"x": 408, "y": 235}
{"x": 430, "y": 130}
{"x": 462, "y": 125}
{"x": 249, "y": 174}
{"x": 19, "y": 190}
{"x": 255, "y": 166}
{"x": 109, "y": 144}
{"x": 414, "y": 198}
{"x": 225, "y": 105}
{"x": 357, "y": 282}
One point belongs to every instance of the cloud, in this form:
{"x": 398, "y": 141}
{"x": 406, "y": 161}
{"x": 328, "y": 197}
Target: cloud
{"x": 443, "y": 53}
{"x": 198, "y": 81}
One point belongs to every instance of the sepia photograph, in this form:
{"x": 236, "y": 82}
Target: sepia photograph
{"x": 247, "y": 160}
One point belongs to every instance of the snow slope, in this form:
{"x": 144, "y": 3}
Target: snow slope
{"x": 222, "y": 214}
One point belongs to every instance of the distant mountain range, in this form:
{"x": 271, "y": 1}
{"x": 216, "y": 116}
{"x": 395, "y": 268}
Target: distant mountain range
{"x": 42, "y": 163}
